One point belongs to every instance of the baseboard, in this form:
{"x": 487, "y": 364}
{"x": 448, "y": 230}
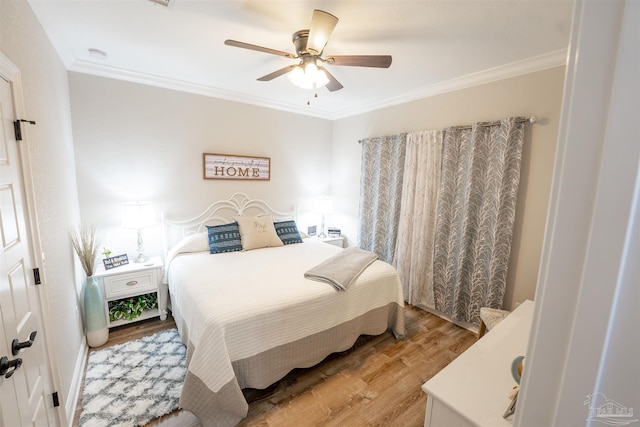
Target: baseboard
{"x": 466, "y": 325}
{"x": 71, "y": 401}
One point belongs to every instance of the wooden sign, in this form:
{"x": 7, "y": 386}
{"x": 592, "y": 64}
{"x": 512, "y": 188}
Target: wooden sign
{"x": 115, "y": 261}
{"x": 227, "y": 166}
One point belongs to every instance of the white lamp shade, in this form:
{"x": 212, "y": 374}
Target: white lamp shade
{"x": 324, "y": 205}
{"x": 138, "y": 215}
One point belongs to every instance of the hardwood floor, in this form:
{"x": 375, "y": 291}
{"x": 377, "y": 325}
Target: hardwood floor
{"x": 376, "y": 383}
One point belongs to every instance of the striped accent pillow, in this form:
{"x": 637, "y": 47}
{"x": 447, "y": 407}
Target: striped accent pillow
{"x": 288, "y": 232}
{"x": 224, "y": 238}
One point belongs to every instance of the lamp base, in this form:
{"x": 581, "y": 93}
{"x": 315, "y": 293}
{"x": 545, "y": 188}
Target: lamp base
{"x": 322, "y": 234}
{"x": 142, "y": 258}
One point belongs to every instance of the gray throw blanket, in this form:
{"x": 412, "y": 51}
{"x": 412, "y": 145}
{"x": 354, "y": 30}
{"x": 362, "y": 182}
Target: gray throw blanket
{"x": 342, "y": 269}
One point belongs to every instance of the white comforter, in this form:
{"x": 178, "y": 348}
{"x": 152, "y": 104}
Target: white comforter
{"x": 240, "y": 304}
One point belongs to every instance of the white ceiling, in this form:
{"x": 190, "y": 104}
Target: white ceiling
{"x": 436, "y": 45}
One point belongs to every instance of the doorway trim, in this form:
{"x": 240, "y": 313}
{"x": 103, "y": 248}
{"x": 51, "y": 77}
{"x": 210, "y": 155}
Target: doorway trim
{"x": 11, "y": 72}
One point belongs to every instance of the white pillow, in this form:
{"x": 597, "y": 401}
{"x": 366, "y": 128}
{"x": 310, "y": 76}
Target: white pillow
{"x": 257, "y": 232}
{"x": 192, "y": 243}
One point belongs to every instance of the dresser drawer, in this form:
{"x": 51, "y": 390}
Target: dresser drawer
{"x": 124, "y": 285}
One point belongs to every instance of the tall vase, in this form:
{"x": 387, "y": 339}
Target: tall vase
{"x": 95, "y": 319}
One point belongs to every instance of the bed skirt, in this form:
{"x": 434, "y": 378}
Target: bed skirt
{"x": 227, "y": 406}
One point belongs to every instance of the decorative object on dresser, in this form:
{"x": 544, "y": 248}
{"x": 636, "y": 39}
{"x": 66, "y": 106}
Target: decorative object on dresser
{"x": 86, "y": 246}
{"x": 133, "y": 292}
{"x": 138, "y": 215}
{"x": 133, "y": 383}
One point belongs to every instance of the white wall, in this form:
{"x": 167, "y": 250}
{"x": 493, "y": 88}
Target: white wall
{"x": 584, "y": 337}
{"x": 141, "y": 142}
{"x": 538, "y": 94}
{"x": 138, "y": 142}
{"x": 46, "y": 100}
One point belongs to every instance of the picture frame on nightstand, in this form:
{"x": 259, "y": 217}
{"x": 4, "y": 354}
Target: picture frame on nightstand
{"x": 334, "y": 232}
{"x": 115, "y": 261}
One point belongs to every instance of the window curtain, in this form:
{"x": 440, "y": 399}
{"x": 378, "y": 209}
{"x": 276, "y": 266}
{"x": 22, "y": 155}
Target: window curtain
{"x": 381, "y": 193}
{"x": 416, "y": 230}
{"x": 475, "y": 215}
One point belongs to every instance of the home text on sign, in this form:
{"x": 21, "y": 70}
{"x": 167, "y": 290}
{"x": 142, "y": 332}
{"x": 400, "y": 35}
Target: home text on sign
{"x": 225, "y": 166}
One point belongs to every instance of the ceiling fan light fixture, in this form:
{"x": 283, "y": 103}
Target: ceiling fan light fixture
{"x": 309, "y": 45}
{"x": 322, "y": 25}
{"x": 308, "y": 76}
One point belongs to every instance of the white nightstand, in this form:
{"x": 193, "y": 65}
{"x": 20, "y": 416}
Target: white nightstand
{"x": 132, "y": 280}
{"x": 335, "y": 241}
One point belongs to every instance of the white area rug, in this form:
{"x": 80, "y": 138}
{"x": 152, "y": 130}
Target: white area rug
{"x": 133, "y": 383}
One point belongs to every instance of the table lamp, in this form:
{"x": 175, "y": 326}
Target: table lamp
{"x": 138, "y": 215}
{"x": 324, "y": 206}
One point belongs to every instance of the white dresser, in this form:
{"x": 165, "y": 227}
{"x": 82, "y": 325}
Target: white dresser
{"x": 473, "y": 389}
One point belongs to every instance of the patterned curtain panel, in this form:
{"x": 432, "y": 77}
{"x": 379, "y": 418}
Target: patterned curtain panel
{"x": 416, "y": 231}
{"x": 476, "y": 211}
{"x": 381, "y": 193}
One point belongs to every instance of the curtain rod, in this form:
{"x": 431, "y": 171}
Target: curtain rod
{"x": 532, "y": 119}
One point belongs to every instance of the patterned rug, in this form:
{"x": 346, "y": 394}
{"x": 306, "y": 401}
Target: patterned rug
{"x": 133, "y": 383}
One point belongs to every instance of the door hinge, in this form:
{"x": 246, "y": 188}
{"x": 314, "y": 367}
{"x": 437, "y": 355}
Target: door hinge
{"x": 36, "y": 276}
{"x": 17, "y": 130}
{"x": 56, "y": 400}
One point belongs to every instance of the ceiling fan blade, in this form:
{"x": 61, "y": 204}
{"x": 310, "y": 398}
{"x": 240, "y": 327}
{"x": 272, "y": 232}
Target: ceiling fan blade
{"x": 277, "y": 73}
{"x": 322, "y": 25}
{"x": 333, "y": 84}
{"x": 243, "y": 45}
{"x": 376, "y": 61}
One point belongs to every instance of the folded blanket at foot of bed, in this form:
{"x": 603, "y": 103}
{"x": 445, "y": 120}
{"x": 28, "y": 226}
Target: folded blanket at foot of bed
{"x": 342, "y": 269}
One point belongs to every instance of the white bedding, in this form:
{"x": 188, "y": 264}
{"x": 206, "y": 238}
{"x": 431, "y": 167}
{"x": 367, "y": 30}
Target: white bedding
{"x": 232, "y": 306}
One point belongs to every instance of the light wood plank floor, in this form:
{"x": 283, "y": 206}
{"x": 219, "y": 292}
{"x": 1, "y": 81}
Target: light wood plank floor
{"x": 376, "y": 383}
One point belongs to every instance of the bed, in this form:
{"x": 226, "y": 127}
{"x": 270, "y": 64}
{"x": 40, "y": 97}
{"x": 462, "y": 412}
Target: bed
{"x": 249, "y": 317}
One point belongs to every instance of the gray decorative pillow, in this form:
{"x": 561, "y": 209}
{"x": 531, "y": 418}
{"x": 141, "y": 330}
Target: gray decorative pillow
{"x": 224, "y": 238}
{"x": 288, "y": 232}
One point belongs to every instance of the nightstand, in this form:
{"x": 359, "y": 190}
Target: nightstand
{"x": 132, "y": 280}
{"x": 335, "y": 241}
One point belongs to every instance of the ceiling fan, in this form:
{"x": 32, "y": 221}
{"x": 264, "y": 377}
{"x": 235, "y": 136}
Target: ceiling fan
{"x": 309, "y": 72}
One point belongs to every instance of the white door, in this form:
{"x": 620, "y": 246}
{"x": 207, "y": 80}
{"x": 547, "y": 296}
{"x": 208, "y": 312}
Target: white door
{"x": 25, "y": 397}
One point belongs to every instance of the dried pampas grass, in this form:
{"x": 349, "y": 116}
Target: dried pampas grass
{"x": 86, "y": 245}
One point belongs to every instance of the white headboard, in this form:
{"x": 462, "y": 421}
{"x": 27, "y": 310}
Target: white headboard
{"x": 220, "y": 212}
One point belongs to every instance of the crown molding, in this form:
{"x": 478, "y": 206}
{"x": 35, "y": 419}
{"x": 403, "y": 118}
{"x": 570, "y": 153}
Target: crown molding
{"x": 530, "y": 65}
{"x": 514, "y": 69}
{"x": 87, "y": 67}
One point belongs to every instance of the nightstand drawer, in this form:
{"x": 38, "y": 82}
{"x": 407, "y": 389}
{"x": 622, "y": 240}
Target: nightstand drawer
{"x": 123, "y": 285}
